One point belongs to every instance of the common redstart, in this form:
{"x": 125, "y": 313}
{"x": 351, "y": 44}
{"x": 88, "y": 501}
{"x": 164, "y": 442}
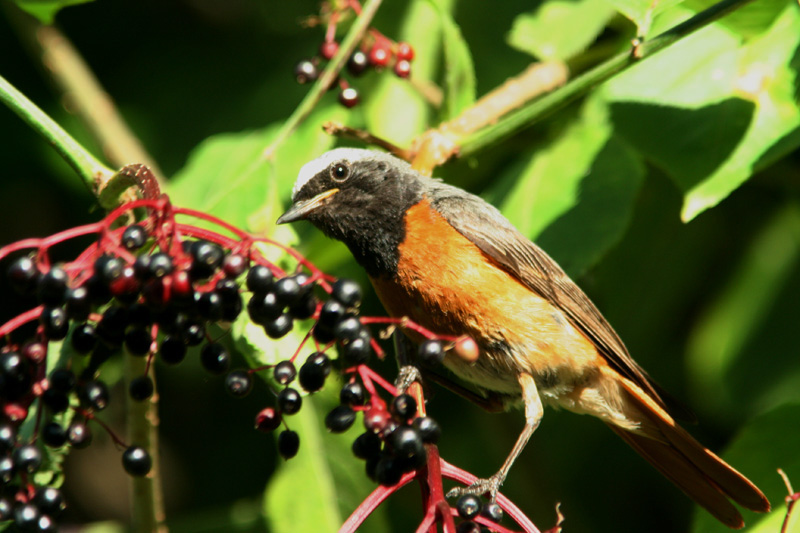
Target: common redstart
{"x": 451, "y": 262}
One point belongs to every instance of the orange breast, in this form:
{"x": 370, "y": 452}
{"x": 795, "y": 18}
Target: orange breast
{"x": 448, "y": 285}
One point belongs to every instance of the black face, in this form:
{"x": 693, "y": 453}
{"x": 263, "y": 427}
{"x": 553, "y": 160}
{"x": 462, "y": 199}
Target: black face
{"x": 360, "y": 198}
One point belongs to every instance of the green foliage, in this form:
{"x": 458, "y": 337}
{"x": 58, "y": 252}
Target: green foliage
{"x": 45, "y": 10}
{"x": 705, "y": 132}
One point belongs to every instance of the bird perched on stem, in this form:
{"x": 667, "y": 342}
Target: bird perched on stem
{"x": 452, "y": 263}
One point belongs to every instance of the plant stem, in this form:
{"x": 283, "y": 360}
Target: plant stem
{"x": 327, "y": 77}
{"x": 147, "y": 502}
{"x": 85, "y": 164}
{"x": 544, "y": 106}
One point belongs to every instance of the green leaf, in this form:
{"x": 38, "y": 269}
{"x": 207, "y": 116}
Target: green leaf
{"x": 749, "y": 20}
{"x": 718, "y": 344}
{"x": 227, "y": 175}
{"x": 642, "y": 12}
{"x": 760, "y": 448}
{"x": 720, "y": 111}
{"x": 559, "y": 29}
{"x": 575, "y": 196}
{"x": 45, "y": 10}
{"x": 458, "y": 68}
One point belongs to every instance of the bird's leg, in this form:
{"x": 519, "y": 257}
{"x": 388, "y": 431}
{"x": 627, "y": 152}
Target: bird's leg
{"x": 533, "y": 415}
{"x": 408, "y": 372}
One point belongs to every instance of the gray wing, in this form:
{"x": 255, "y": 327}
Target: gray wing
{"x": 490, "y": 231}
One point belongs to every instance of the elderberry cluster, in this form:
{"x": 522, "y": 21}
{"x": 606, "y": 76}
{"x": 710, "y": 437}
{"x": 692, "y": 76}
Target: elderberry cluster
{"x": 376, "y": 56}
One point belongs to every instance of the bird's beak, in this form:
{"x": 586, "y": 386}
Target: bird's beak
{"x": 302, "y": 209}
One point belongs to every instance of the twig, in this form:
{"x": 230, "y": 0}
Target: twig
{"x": 340, "y": 130}
{"x": 435, "y": 147}
{"x": 791, "y": 500}
{"x": 147, "y": 501}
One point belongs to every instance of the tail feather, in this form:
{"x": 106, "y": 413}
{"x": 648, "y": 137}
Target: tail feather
{"x": 678, "y": 469}
{"x": 701, "y": 474}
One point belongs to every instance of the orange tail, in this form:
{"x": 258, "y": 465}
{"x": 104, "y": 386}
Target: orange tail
{"x": 703, "y": 476}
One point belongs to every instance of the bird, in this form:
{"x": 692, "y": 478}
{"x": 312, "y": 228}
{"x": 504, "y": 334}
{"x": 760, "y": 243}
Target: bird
{"x": 451, "y": 262}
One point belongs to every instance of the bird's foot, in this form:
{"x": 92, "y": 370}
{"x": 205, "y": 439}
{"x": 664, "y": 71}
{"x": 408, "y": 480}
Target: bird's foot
{"x": 407, "y": 375}
{"x": 490, "y": 486}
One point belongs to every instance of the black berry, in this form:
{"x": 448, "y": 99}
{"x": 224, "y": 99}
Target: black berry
{"x": 353, "y": 394}
{"x": 305, "y": 71}
{"x": 50, "y": 501}
{"x": 492, "y": 511}
{"x": 238, "y": 383}
{"x": 358, "y": 63}
{"x": 403, "y": 407}
{"x": 260, "y": 279}
{"x": 22, "y": 275}
{"x": 468, "y": 506}
{"x": 388, "y": 471}
{"x": 8, "y": 437}
{"x": 314, "y": 371}
{"x": 26, "y": 517}
{"x": 284, "y": 372}
{"x": 141, "y": 388}
{"x": 172, "y": 350}
{"x": 207, "y": 257}
{"x": 54, "y": 435}
{"x": 431, "y": 352}
{"x": 77, "y": 303}
{"x": 279, "y": 327}
{"x": 287, "y": 290}
{"x": 79, "y": 435}
{"x": 94, "y": 394}
{"x": 136, "y": 461}
{"x": 215, "y": 358}
{"x": 347, "y": 292}
{"x": 159, "y": 265}
{"x": 62, "y": 380}
{"x": 52, "y": 286}
{"x": 133, "y": 237}
{"x": 406, "y": 442}
{"x": 331, "y": 313}
{"x": 138, "y": 341}
{"x": 289, "y": 401}
{"x": 348, "y": 329}
{"x": 340, "y": 419}
{"x": 428, "y": 429}
{"x": 367, "y": 445}
{"x": 84, "y": 338}
{"x": 288, "y": 443}
{"x": 28, "y": 457}
{"x": 468, "y": 526}
{"x": 234, "y": 265}
{"x": 54, "y": 322}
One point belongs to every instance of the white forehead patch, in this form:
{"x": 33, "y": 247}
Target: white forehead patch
{"x": 312, "y": 168}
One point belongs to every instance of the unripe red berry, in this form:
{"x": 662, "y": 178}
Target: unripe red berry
{"x": 404, "y": 51}
{"x": 379, "y": 55}
{"x": 328, "y": 49}
{"x": 268, "y": 419}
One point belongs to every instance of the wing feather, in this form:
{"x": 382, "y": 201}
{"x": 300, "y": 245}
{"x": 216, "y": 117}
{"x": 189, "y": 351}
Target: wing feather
{"x": 490, "y": 231}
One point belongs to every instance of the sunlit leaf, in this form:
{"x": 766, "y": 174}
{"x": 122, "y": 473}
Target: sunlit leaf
{"x": 736, "y": 103}
{"x": 575, "y": 196}
{"x": 559, "y": 29}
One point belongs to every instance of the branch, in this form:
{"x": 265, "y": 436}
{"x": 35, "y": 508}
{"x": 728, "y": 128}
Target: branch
{"x": 93, "y": 172}
{"x": 530, "y": 114}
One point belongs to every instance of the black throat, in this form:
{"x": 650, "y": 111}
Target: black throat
{"x": 371, "y": 223}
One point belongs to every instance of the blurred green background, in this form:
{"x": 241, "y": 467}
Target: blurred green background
{"x": 672, "y": 193}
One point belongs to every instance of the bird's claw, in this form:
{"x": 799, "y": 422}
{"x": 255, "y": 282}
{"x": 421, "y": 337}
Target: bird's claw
{"x": 407, "y": 375}
{"x": 490, "y": 486}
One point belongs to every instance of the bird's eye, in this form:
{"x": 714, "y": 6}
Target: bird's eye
{"x": 340, "y": 171}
